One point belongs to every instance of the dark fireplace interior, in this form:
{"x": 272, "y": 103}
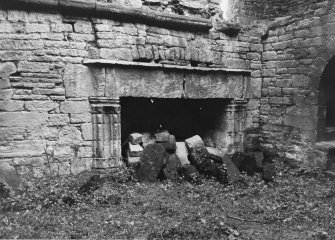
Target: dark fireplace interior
{"x": 183, "y": 118}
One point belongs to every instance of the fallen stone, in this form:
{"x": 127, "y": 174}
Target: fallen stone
{"x": 215, "y": 154}
{"x": 9, "y": 180}
{"x": 147, "y": 139}
{"x": 189, "y": 173}
{"x": 133, "y": 160}
{"x": 162, "y": 136}
{"x": 153, "y": 159}
{"x": 172, "y": 166}
{"x": 245, "y": 162}
{"x": 182, "y": 153}
{"x": 194, "y": 142}
{"x": 134, "y": 150}
{"x": 135, "y": 138}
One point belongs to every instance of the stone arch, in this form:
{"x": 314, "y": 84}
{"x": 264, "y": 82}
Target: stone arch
{"x": 326, "y": 103}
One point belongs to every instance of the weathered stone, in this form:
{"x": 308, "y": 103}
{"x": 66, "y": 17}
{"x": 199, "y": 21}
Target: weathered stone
{"x": 75, "y": 107}
{"x": 9, "y": 180}
{"x": 182, "y": 153}
{"x": 41, "y": 106}
{"x": 116, "y": 54}
{"x": 11, "y": 119}
{"x": 58, "y": 119}
{"x": 27, "y": 148}
{"x": 6, "y": 94}
{"x": 162, "y": 136}
{"x": 147, "y": 138}
{"x": 11, "y": 106}
{"x": 133, "y": 160}
{"x": 83, "y": 27}
{"x": 34, "y": 67}
{"x": 80, "y": 165}
{"x": 194, "y": 142}
{"x": 7, "y": 69}
{"x": 172, "y": 166}
{"x": 53, "y": 91}
{"x": 81, "y": 117}
{"x": 134, "y": 150}
{"x": 78, "y": 81}
{"x": 87, "y": 131}
{"x": 135, "y": 138}
{"x": 153, "y": 159}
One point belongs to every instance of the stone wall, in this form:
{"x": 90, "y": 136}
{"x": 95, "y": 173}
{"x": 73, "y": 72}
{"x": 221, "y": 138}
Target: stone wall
{"x": 296, "y": 51}
{"x": 46, "y": 119}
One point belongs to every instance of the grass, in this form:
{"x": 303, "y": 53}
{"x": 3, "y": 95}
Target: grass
{"x": 300, "y": 204}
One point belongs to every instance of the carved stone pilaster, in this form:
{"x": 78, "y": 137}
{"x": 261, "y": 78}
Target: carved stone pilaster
{"x": 106, "y": 114}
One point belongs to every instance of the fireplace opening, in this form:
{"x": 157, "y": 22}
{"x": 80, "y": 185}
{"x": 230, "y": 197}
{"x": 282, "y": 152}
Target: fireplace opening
{"x": 183, "y": 118}
{"x": 326, "y": 113}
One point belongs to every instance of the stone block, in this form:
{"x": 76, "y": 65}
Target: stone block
{"x": 11, "y": 106}
{"x": 4, "y": 83}
{"x": 81, "y": 118}
{"x": 162, "y": 136}
{"x": 116, "y": 54}
{"x": 83, "y": 27}
{"x": 75, "y": 107}
{"x": 87, "y": 131}
{"x": 29, "y": 148}
{"x": 134, "y": 150}
{"x": 9, "y": 181}
{"x": 6, "y": 94}
{"x": 6, "y": 69}
{"x": 194, "y": 142}
{"x": 135, "y": 138}
{"x": 52, "y": 91}
{"x": 10, "y": 119}
{"x": 133, "y": 160}
{"x": 37, "y": 28}
{"x": 41, "y": 106}
{"x": 34, "y": 67}
{"x": 58, "y": 119}
{"x": 182, "y": 153}
{"x": 78, "y": 81}
{"x": 147, "y": 138}
{"x": 79, "y": 165}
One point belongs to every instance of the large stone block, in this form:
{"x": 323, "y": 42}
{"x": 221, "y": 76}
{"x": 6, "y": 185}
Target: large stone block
{"x": 41, "y": 106}
{"x": 11, "y": 106}
{"x": 83, "y": 27}
{"x": 143, "y": 83}
{"x": 75, "y": 107}
{"x": 58, "y": 119}
{"x": 29, "y": 148}
{"x": 80, "y": 81}
{"x": 10, "y": 119}
{"x": 182, "y": 153}
{"x": 116, "y": 54}
{"x": 34, "y": 67}
{"x": 6, "y": 69}
{"x": 87, "y": 131}
{"x": 6, "y": 94}
{"x": 214, "y": 85}
{"x": 81, "y": 118}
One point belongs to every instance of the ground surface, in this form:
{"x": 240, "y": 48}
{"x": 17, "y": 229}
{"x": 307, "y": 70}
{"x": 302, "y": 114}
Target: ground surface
{"x": 299, "y": 205}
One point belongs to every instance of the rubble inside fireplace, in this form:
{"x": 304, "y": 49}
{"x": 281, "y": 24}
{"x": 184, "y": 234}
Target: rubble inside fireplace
{"x": 158, "y": 156}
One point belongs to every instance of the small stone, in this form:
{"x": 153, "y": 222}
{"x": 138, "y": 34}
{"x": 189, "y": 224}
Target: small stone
{"x": 182, "y": 153}
{"x": 135, "y": 138}
{"x": 134, "y": 150}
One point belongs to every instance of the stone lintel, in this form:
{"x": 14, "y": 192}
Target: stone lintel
{"x": 115, "y": 11}
{"x": 107, "y": 62}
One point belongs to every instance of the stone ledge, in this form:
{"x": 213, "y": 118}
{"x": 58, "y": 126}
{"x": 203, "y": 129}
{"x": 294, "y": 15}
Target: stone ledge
{"x": 162, "y": 65}
{"x": 109, "y": 10}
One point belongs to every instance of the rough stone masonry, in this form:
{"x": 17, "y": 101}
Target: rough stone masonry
{"x": 65, "y": 64}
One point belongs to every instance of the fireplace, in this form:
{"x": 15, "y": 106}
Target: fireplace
{"x": 149, "y": 97}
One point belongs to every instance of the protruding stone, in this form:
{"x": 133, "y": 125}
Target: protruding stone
{"x": 135, "y": 138}
{"x": 134, "y": 150}
{"x": 194, "y": 142}
{"x": 182, "y": 153}
{"x": 162, "y": 136}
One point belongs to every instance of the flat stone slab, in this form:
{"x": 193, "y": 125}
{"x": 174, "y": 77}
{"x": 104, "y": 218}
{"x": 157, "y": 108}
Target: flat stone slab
{"x": 134, "y": 150}
{"x": 135, "y": 138}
